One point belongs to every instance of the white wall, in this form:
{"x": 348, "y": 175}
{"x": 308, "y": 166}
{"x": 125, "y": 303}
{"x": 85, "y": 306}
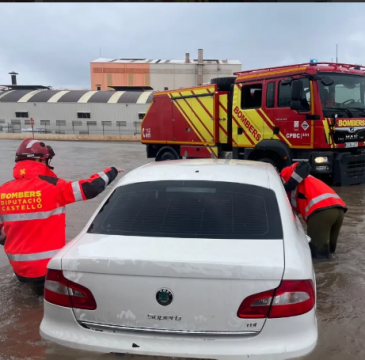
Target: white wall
{"x": 175, "y": 76}
{"x": 68, "y": 112}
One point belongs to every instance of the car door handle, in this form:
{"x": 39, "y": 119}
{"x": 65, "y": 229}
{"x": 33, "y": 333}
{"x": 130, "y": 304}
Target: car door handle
{"x": 240, "y": 131}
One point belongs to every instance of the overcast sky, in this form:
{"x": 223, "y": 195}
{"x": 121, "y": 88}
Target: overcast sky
{"x": 53, "y": 44}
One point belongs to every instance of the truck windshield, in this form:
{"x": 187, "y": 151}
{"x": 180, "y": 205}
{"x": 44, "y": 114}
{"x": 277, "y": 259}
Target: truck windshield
{"x": 347, "y": 93}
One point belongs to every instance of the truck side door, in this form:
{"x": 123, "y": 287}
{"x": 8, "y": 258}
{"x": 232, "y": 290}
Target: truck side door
{"x": 246, "y": 122}
{"x": 294, "y": 127}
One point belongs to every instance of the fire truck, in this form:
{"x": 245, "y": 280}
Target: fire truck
{"x": 313, "y": 112}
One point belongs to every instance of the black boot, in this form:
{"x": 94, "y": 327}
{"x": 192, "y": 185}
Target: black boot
{"x": 323, "y": 253}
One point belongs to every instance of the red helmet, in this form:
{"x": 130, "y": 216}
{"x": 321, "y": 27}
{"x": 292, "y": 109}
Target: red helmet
{"x": 31, "y": 149}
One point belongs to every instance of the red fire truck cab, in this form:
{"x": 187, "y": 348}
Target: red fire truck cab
{"x": 313, "y": 112}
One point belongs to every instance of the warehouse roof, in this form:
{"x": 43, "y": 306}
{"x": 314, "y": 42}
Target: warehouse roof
{"x": 162, "y": 61}
{"x": 77, "y": 96}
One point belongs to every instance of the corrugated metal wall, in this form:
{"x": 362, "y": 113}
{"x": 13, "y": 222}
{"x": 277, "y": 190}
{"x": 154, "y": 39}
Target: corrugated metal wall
{"x": 118, "y": 118}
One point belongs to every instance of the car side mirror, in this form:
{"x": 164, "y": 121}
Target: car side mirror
{"x": 309, "y": 239}
{"x": 295, "y": 105}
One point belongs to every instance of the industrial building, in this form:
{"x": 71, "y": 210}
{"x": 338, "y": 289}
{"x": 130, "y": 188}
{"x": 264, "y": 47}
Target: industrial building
{"x": 159, "y": 74}
{"x": 121, "y": 91}
{"x": 72, "y": 111}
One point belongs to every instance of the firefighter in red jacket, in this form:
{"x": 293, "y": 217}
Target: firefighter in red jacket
{"x": 320, "y": 207}
{"x": 32, "y": 209}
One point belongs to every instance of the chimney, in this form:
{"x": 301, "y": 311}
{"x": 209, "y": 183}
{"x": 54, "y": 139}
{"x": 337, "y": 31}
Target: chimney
{"x": 200, "y": 67}
{"x": 200, "y": 56}
{"x": 13, "y": 77}
{"x": 187, "y": 57}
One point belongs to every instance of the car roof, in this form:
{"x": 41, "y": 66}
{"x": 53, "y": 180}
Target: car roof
{"x": 226, "y": 170}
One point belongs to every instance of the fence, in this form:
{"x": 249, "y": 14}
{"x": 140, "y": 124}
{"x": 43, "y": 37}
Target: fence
{"x": 76, "y": 129}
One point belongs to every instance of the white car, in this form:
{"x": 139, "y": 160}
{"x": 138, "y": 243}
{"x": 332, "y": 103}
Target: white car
{"x": 187, "y": 258}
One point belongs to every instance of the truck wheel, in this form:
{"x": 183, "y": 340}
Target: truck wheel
{"x": 276, "y": 163}
{"x": 224, "y": 83}
{"x": 167, "y": 153}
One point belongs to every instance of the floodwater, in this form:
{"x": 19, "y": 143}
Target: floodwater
{"x": 340, "y": 282}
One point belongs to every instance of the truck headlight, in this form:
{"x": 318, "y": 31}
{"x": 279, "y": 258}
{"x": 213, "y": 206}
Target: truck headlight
{"x": 321, "y": 159}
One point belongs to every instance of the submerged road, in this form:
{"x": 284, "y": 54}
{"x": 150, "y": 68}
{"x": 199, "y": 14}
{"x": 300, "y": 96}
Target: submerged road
{"x": 340, "y": 282}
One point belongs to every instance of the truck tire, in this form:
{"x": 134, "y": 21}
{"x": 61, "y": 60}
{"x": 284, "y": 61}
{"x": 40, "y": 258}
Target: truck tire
{"x": 273, "y": 160}
{"x": 167, "y": 153}
{"x": 224, "y": 83}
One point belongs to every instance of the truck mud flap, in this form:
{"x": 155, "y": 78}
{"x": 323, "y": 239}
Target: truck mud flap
{"x": 349, "y": 169}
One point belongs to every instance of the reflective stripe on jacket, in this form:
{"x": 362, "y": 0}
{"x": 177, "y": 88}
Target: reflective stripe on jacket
{"x": 311, "y": 194}
{"x": 32, "y": 212}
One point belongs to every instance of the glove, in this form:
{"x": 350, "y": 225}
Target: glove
{"x": 2, "y": 236}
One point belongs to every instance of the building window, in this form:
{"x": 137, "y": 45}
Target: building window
{"x": 91, "y": 123}
{"x": 2, "y": 121}
{"x": 60, "y": 122}
{"x": 141, "y": 116}
{"x": 77, "y": 123}
{"x": 45, "y": 122}
{"x": 83, "y": 115}
{"x": 15, "y": 122}
{"x": 121, "y": 123}
{"x": 21, "y": 114}
{"x": 26, "y": 122}
{"x": 270, "y": 95}
{"x": 251, "y": 96}
{"x": 106, "y": 123}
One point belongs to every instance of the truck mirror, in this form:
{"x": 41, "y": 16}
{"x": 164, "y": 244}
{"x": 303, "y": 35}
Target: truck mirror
{"x": 296, "y": 105}
{"x": 296, "y": 89}
{"x": 287, "y": 81}
{"x": 327, "y": 80}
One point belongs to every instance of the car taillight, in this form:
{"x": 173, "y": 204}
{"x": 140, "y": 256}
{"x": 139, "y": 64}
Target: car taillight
{"x": 60, "y": 291}
{"x": 291, "y": 298}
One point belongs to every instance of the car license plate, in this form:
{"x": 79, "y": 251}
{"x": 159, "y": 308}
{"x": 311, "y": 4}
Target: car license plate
{"x": 351, "y": 144}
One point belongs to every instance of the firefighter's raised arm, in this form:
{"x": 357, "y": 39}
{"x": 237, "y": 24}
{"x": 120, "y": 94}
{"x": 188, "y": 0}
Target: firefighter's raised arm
{"x": 81, "y": 190}
{"x": 301, "y": 171}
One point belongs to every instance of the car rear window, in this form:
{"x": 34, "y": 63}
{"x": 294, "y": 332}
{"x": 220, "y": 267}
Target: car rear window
{"x": 190, "y": 209}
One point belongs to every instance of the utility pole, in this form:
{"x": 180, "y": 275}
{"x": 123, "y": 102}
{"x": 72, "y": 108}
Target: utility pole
{"x": 336, "y": 53}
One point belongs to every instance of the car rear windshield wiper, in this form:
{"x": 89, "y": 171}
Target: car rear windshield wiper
{"x": 347, "y": 111}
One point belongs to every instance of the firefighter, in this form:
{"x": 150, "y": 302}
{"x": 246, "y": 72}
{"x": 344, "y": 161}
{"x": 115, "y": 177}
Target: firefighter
{"x": 32, "y": 210}
{"x": 320, "y": 207}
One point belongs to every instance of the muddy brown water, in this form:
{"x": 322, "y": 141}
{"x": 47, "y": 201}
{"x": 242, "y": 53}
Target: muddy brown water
{"x": 340, "y": 282}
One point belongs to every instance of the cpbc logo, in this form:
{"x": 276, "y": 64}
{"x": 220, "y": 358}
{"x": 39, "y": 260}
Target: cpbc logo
{"x": 164, "y": 297}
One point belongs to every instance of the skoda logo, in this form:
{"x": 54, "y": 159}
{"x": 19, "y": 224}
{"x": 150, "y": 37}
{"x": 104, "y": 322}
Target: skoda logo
{"x": 164, "y": 297}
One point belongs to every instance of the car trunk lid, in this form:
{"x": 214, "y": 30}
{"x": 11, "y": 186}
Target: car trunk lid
{"x": 172, "y": 284}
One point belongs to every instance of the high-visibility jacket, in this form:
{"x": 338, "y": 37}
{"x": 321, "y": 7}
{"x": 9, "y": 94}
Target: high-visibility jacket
{"x": 32, "y": 213}
{"x": 311, "y": 194}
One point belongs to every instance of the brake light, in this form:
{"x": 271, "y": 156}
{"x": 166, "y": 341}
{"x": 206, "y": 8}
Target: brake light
{"x": 60, "y": 291}
{"x": 291, "y": 298}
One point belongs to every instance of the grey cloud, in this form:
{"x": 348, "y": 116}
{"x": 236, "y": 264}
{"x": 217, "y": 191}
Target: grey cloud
{"x": 53, "y": 44}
